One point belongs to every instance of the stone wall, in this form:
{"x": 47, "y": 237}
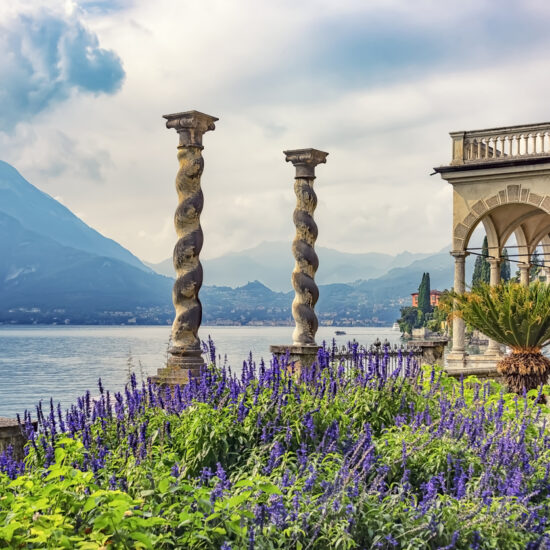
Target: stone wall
{"x": 11, "y": 434}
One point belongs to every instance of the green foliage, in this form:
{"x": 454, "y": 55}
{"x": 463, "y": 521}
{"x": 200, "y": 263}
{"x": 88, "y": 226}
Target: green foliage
{"x": 505, "y": 273}
{"x": 411, "y": 317}
{"x": 536, "y": 262}
{"x": 424, "y": 294}
{"x": 60, "y": 506}
{"x": 509, "y": 313}
{"x": 482, "y": 268}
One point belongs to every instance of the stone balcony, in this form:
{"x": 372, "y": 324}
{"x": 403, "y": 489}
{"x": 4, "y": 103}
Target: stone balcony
{"x": 514, "y": 144}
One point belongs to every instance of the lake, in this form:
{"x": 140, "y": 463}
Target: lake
{"x": 38, "y": 362}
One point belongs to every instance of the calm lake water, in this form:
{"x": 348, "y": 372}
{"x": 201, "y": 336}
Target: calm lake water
{"x": 63, "y": 362}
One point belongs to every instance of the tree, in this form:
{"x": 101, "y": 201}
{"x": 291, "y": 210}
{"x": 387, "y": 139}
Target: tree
{"x": 536, "y": 262}
{"x": 424, "y": 294}
{"x": 482, "y": 267}
{"x": 518, "y": 317}
{"x": 409, "y": 319}
{"x": 505, "y": 274}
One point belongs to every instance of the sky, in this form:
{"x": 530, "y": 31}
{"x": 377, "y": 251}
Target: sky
{"x": 378, "y": 84}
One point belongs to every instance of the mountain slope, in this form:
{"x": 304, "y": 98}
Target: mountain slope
{"x": 402, "y": 281}
{"x": 43, "y": 215}
{"x": 38, "y": 272}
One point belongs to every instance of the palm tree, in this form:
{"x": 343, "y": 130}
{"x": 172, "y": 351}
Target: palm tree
{"x": 518, "y": 317}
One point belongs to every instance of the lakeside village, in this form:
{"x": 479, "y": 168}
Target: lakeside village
{"x": 319, "y": 449}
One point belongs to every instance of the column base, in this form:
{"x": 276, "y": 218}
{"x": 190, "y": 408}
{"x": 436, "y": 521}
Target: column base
{"x": 182, "y": 366}
{"x": 300, "y": 356}
{"x": 456, "y": 360}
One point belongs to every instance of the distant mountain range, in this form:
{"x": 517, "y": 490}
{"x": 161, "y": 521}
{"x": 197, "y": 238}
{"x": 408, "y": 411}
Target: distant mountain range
{"x": 57, "y": 269}
{"x": 272, "y": 263}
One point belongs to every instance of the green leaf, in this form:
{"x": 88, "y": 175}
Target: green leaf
{"x": 7, "y": 531}
{"x": 60, "y": 454}
{"x": 270, "y": 489}
{"x": 143, "y": 538}
{"x": 163, "y": 485}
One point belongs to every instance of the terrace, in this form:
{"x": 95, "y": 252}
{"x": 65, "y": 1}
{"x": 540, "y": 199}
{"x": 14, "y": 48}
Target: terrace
{"x": 501, "y": 179}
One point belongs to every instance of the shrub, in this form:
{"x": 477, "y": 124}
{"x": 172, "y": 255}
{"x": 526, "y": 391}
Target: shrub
{"x": 354, "y": 455}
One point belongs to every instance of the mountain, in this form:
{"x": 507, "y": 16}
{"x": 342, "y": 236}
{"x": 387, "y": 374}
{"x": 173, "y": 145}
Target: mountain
{"x": 40, "y": 213}
{"x": 272, "y": 263}
{"x": 55, "y": 282}
{"x": 55, "y": 268}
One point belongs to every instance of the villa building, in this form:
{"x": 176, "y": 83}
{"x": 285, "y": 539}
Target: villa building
{"x": 434, "y": 298}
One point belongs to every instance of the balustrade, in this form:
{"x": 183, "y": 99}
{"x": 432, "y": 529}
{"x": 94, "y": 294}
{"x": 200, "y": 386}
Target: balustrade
{"x": 499, "y": 144}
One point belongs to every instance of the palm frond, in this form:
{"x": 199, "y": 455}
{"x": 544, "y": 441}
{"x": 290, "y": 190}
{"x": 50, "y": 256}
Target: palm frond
{"x": 509, "y": 313}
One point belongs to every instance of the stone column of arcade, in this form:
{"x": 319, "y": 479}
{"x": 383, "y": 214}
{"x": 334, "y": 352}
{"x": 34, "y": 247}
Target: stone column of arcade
{"x": 185, "y": 359}
{"x": 457, "y": 356}
{"x": 524, "y": 273}
{"x": 304, "y": 349}
{"x": 494, "y": 347}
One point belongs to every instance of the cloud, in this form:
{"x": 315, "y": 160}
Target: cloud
{"x": 45, "y": 57}
{"x": 376, "y": 83}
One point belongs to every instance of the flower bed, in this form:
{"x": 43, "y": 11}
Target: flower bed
{"x": 343, "y": 456}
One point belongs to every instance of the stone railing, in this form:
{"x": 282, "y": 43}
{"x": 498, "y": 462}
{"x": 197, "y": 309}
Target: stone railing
{"x": 499, "y": 144}
{"x": 426, "y": 352}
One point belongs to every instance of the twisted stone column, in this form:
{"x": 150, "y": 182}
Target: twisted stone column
{"x": 307, "y": 262}
{"x": 185, "y": 357}
{"x": 304, "y": 348}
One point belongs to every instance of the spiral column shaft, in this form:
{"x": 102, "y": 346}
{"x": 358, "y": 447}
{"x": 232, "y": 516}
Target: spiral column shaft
{"x": 185, "y": 357}
{"x": 303, "y": 247}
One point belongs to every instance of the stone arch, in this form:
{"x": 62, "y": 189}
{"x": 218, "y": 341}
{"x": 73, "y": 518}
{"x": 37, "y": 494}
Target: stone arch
{"x": 513, "y": 194}
{"x": 517, "y": 222}
{"x": 538, "y": 238}
{"x": 493, "y": 241}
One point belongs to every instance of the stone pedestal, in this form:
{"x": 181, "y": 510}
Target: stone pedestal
{"x": 299, "y": 356}
{"x": 12, "y": 434}
{"x": 185, "y": 359}
{"x": 432, "y": 350}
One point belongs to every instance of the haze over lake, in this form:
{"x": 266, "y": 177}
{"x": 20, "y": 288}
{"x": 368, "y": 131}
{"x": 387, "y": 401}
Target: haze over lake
{"x": 63, "y": 362}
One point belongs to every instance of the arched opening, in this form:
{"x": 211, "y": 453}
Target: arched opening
{"x": 517, "y": 233}
{"x": 520, "y": 229}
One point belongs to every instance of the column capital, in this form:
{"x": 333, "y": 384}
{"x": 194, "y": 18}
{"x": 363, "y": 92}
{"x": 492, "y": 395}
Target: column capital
{"x": 190, "y": 125}
{"x": 305, "y": 161}
{"x": 494, "y": 261}
{"x": 459, "y": 254}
